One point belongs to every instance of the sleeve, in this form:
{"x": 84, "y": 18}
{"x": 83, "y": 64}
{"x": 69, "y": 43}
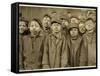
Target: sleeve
{"x": 45, "y": 60}
{"x": 64, "y": 54}
{"x": 84, "y": 53}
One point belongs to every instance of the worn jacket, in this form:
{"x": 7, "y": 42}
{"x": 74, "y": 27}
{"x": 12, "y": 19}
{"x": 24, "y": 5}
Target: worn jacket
{"x": 77, "y": 51}
{"x": 33, "y": 49}
{"x": 21, "y": 57}
{"x": 90, "y": 39}
{"x": 55, "y": 52}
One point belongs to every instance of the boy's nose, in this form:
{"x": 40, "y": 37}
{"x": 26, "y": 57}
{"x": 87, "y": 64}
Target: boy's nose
{"x": 34, "y": 27}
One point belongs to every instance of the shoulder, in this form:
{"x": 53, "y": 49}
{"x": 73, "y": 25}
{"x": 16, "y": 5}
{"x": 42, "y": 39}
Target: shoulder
{"x": 26, "y": 36}
{"x": 49, "y": 36}
{"x": 84, "y": 37}
{"x": 68, "y": 37}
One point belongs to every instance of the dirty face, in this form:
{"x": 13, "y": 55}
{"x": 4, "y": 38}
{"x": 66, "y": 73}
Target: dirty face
{"x": 91, "y": 14}
{"x": 65, "y": 23}
{"x": 74, "y": 20}
{"x": 34, "y": 27}
{"x": 46, "y": 23}
{"x": 82, "y": 28}
{"x": 89, "y": 25}
{"x": 69, "y": 15}
{"x": 74, "y": 32}
{"x": 22, "y": 27}
{"x": 56, "y": 27}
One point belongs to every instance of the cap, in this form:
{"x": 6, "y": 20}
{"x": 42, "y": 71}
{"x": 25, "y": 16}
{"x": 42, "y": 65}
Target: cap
{"x": 64, "y": 17}
{"x": 73, "y": 25}
{"x": 56, "y": 21}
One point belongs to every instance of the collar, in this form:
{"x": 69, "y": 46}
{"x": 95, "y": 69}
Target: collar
{"x": 58, "y": 36}
{"x": 90, "y": 34}
{"x": 36, "y": 36}
{"x": 75, "y": 38}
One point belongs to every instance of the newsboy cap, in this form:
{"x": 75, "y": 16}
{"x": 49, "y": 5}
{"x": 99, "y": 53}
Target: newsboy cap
{"x": 56, "y": 21}
{"x": 73, "y": 25}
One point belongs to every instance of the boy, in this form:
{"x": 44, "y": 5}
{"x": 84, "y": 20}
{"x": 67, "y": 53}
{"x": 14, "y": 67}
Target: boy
{"x": 23, "y": 30}
{"x": 55, "y": 53}
{"x": 91, "y": 14}
{"x": 74, "y": 20}
{"x": 33, "y": 46}
{"x": 90, "y": 37}
{"x": 82, "y": 28}
{"x": 76, "y": 47}
{"x": 46, "y": 23}
{"x": 65, "y": 24}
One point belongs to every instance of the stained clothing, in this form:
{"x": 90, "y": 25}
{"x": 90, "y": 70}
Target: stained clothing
{"x": 55, "y": 53}
{"x": 33, "y": 49}
{"x": 21, "y": 57}
{"x": 91, "y": 43}
{"x": 77, "y": 51}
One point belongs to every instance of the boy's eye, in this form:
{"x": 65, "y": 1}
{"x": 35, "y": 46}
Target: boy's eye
{"x": 23, "y": 25}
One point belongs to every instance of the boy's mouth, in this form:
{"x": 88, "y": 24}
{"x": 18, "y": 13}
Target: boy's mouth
{"x": 46, "y": 28}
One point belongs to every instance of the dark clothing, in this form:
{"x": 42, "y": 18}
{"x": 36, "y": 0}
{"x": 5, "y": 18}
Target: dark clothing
{"x": 33, "y": 48}
{"x": 55, "y": 52}
{"x": 77, "y": 51}
{"x": 21, "y": 57}
{"x": 91, "y": 43}
{"x": 65, "y": 32}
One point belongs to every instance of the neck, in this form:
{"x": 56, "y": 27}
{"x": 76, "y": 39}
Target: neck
{"x": 34, "y": 34}
{"x": 74, "y": 37}
{"x": 56, "y": 33}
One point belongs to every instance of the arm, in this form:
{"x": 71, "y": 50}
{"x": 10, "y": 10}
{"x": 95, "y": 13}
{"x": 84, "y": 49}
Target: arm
{"x": 45, "y": 60}
{"x": 64, "y": 54}
{"x": 84, "y": 53}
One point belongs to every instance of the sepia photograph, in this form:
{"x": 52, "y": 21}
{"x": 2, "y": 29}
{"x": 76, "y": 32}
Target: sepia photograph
{"x": 56, "y": 37}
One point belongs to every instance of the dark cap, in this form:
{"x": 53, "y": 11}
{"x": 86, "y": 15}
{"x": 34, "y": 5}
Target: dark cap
{"x": 56, "y": 21}
{"x": 24, "y": 19}
{"x": 73, "y": 25}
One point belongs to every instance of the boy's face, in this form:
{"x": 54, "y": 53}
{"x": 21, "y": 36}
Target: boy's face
{"x": 82, "y": 28}
{"x": 74, "y": 32}
{"x": 22, "y": 27}
{"x": 56, "y": 28}
{"x": 92, "y": 15}
{"x": 46, "y": 23}
{"x": 69, "y": 15}
{"x": 74, "y": 20}
{"x": 65, "y": 23}
{"x": 89, "y": 25}
{"x": 34, "y": 27}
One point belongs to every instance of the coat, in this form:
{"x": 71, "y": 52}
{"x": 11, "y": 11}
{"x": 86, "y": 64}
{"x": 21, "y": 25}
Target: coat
{"x": 90, "y": 39}
{"x": 77, "y": 51}
{"x": 21, "y": 57}
{"x": 55, "y": 53}
{"x": 33, "y": 49}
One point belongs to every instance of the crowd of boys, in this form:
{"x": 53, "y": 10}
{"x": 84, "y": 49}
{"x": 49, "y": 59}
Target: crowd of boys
{"x": 64, "y": 42}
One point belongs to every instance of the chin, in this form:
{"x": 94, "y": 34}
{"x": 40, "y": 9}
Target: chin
{"x": 57, "y": 32}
